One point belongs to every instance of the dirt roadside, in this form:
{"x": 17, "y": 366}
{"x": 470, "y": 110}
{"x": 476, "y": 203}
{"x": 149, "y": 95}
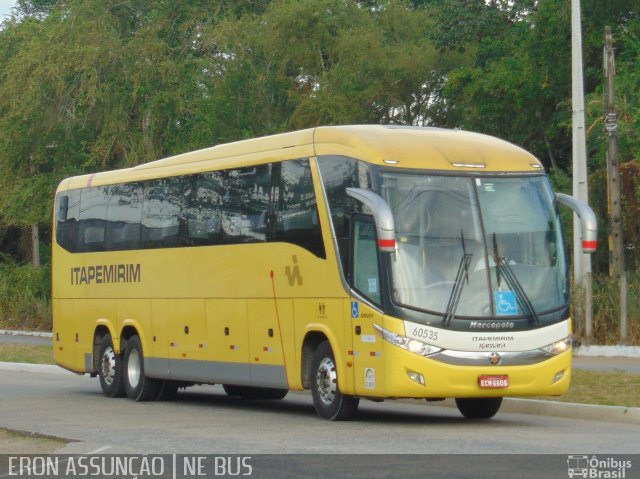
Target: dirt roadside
{"x": 15, "y": 442}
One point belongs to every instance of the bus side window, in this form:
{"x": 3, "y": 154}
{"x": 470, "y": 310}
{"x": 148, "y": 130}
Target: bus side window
{"x": 338, "y": 174}
{"x": 245, "y": 205}
{"x": 202, "y": 213}
{"x": 68, "y": 209}
{"x": 161, "y": 213}
{"x": 294, "y": 198}
{"x": 124, "y": 215}
{"x": 92, "y": 219}
{"x": 365, "y": 272}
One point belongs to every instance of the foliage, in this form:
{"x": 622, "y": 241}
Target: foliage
{"x": 626, "y": 42}
{"x": 606, "y": 308}
{"x": 88, "y": 86}
{"x": 519, "y": 85}
{"x": 30, "y": 354}
{"x": 24, "y": 297}
{"x": 630, "y": 198}
{"x": 609, "y": 388}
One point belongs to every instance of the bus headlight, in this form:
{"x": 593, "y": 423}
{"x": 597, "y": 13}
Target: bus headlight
{"x": 413, "y": 345}
{"x": 558, "y": 347}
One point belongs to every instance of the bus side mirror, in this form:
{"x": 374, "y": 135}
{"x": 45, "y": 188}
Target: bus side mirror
{"x": 588, "y": 221}
{"x": 385, "y": 227}
{"x": 63, "y": 208}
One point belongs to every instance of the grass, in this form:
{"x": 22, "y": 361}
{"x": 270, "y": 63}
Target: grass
{"x": 606, "y": 309}
{"x": 22, "y": 353}
{"x": 615, "y": 388}
{"x": 24, "y": 296}
{"x": 17, "y": 442}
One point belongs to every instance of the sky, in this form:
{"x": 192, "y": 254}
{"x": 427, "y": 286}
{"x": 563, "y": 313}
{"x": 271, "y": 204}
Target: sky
{"x": 5, "y": 8}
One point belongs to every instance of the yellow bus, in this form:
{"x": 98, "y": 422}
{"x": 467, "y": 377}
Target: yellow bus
{"x": 358, "y": 262}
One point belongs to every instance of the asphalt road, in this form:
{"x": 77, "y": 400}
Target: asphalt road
{"x": 203, "y": 420}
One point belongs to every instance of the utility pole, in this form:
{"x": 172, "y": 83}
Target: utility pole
{"x": 616, "y": 244}
{"x": 35, "y": 245}
{"x": 581, "y": 261}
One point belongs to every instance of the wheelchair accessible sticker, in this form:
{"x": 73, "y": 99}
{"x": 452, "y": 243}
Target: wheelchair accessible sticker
{"x": 355, "y": 309}
{"x": 506, "y": 303}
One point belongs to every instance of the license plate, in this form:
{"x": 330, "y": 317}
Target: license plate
{"x": 493, "y": 382}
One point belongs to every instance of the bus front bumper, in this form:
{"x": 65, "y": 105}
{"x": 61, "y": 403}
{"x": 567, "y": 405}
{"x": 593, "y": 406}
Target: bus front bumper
{"x": 411, "y": 375}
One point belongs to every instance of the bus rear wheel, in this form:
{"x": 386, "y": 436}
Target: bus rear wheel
{"x": 329, "y": 402}
{"x": 137, "y": 386}
{"x": 110, "y": 369}
{"x": 478, "y": 408}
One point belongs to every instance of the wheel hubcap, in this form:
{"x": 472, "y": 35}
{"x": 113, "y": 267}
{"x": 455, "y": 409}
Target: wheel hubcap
{"x": 108, "y": 369}
{"x": 133, "y": 368}
{"x": 326, "y": 381}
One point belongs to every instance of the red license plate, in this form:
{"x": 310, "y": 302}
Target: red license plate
{"x": 493, "y": 382}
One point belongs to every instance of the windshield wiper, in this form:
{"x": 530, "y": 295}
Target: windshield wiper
{"x": 504, "y": 270}
{"x": 461, "y": 276}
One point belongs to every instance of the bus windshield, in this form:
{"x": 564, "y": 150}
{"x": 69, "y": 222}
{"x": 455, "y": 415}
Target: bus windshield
{"x": 476, "y": 247}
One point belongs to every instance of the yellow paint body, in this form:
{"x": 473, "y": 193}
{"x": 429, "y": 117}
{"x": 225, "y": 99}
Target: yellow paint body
{"x": 237, "y": 304}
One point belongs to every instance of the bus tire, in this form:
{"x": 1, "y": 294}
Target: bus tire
{"x": 110, "y": 369}
{"x": 329, "y": 402}
{"x": 478, "y": 408}
{"x": 137, "y": 386}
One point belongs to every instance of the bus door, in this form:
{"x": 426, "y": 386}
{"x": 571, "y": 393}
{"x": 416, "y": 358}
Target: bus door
{"x": 365, "y": 281}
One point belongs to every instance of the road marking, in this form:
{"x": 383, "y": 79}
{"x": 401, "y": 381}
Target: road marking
{"x": 99, "y": 450}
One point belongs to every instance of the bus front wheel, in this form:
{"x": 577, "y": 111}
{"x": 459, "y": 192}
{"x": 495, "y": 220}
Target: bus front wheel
{"x": 329, "y": 402}
{"x": 478, "y": 408}
{"x": 110, "y": 369}
{"x": 137, "y": 386}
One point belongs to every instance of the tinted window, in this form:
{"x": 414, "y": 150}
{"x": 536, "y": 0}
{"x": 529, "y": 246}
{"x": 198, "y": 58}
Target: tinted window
{"x": 161, "y": 213}
{"x": 338, "y": 174}
{"x": 274, "y": 202}
{"x": 296, "y": 208}
{"x": 124, "y": 216}
{"x": 202, "y": 214}
{"x": 68, "y": 212}
{"x": 365, "y": 272}
{"x": 245, "y": 204}
{"x": 92, "y": 224}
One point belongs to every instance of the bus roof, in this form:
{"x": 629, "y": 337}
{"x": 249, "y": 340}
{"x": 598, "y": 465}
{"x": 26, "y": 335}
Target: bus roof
{"x": 398, "y": 146}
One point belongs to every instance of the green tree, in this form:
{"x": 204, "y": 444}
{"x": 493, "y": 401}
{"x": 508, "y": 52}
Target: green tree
{"x": 305, "y": 63}
{"x": 518, "y": 86}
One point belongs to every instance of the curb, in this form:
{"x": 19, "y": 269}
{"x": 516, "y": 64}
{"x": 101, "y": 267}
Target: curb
{"x": 607, "y": 351}
{"x": 38, "y": 334}
{"x": 628, "y": 415}
{"x": 618, "y": 414}
{"x": 565, "y": 410}
{"x": 33, "y": 368}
